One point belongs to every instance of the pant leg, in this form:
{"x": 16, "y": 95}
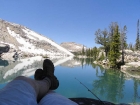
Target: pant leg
{"x": 18, "y": 92}
{"x": 53, "y": 98}
{"x": 41, "y": 87}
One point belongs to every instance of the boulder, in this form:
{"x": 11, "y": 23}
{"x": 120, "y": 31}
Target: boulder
{"x": 135, "y": 64}
{"x": 8, "y": 56}
{"x": 105, "y": 62}
{"x": 131, "y": 65}
{"x": 124, "y": 67}
{"x": 4, "y": 48}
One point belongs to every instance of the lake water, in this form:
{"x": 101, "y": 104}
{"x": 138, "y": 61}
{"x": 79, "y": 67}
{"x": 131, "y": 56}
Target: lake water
{"x": 108, "y": 85}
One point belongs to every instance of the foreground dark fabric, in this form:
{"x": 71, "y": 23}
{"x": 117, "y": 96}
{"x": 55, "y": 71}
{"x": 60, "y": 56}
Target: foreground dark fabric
{"x": 90, "y": 101}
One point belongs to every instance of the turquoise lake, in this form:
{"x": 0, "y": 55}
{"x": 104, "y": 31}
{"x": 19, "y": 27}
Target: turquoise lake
{"x": 108, "y": 85}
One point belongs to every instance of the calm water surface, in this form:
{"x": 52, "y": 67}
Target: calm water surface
{"x": 108, "y": 85}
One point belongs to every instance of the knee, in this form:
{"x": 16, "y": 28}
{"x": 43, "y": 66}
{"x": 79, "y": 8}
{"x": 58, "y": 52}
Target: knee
{"x": 20, "y": 78}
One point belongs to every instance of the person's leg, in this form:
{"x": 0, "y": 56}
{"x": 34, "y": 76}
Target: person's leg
{"x": 53, "y": 98}
{"x": 24, "y": 91}
{"x": 48, "y": 71}
{"x": 41, "y": 87}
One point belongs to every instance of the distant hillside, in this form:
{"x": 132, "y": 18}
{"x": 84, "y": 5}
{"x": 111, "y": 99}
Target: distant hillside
{"x": 72, "y": 46}
{"x": 23, "y": 40}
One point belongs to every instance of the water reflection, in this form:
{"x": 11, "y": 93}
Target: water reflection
{"x": 107, "y": 84}
{"x": 136, "y": 91}
{"x": 85, "y": 61}
{"x": 3, "y": 62}
{"x": 20, "y": 67}
{"x": 111, "y": 85}
{"x": 24, "y": 67}
{"x": 114, "y": 86}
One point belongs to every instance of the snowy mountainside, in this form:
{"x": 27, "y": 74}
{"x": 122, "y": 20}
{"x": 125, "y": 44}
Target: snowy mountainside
{"x": 23, "y": 40}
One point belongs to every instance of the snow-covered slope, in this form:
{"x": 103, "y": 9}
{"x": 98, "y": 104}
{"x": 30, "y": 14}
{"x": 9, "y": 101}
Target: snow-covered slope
{"x": 32, "y": 35}
{"x": 23, "y": 40}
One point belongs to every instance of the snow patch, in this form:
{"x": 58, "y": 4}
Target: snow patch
{"x": 29, "y": 32}
{"x": 26, "y": 46}
{"x": 30, "y": 37}
{"x": 11, "y": 45}
{"x": 31, "y": 48}
{"x": 78, "y": 47}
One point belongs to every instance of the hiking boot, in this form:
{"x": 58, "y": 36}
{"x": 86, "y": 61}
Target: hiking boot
{"x": 54, "y": 82}
{"x": 39, "y": 74}
{"x": 48, "y": 69}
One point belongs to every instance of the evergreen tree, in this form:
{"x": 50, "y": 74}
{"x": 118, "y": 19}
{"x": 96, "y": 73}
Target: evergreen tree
{"x": 112, "y": 27}
{"x": 95, "y": 53}
{"x": 87, "y": 52}
{"x": 137, "y": 45}
{"x": 123, "y": 41}
{"x": 91, "y": 52}
{"x": 114, "y": 48}
{"x": 131, "y": 47}
{"x": 83, "y": 50}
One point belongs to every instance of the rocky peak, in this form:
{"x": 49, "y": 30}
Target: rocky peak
{"x": 72, "y": 46}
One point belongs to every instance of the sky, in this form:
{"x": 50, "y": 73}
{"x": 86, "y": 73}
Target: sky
{"x": 72, "y": 20}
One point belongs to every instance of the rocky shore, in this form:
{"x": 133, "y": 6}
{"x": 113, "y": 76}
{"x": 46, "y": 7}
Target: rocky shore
{"x": 132, "y": 61}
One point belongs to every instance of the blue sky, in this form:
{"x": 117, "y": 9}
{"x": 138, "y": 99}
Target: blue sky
{"x": 72, "y": 20}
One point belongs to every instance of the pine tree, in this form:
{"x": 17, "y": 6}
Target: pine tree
{"x": 95, "y": 53}
{"x": 89, "y": 52}
{"x": 137, "y": 45}
{"x": 131, "y": 47}
{"x": 83, "y": 50}
{"x": 114, "y": 48}
{"x": 123, "y": 41}
{"x": 86, "y": 52}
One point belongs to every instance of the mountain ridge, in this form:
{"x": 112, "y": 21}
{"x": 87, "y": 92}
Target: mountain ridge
{"x": 72, "y": 46}
{"x": 23, "y": 40}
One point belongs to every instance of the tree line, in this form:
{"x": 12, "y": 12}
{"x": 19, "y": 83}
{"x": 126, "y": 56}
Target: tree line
{"x": 113, "y": 41}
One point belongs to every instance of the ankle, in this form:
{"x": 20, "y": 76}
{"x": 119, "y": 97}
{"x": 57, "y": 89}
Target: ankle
{"x": 47, "y": 80}
{"x": 43, "y": 87}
